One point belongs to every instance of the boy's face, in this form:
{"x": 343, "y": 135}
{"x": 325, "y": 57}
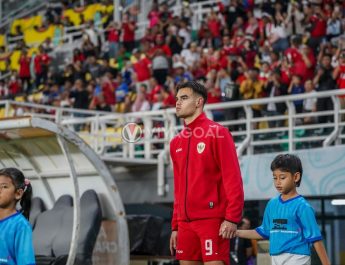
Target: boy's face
{"x": 285, "y": 182}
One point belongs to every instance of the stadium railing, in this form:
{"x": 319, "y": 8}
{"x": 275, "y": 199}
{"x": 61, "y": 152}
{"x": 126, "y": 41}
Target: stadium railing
{"x": 104, "y": 131}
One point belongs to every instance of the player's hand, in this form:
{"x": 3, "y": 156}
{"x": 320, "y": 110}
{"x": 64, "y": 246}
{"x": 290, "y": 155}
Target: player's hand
{"x": 227, "y": 230}
{"x": 173, "y": 241}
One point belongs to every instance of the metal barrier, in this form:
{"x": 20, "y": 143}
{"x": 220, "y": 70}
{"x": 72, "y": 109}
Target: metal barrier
{"x": 103, "y": 131}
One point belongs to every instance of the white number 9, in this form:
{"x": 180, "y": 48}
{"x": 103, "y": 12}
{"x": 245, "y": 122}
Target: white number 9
{"x": 208, "y": 247}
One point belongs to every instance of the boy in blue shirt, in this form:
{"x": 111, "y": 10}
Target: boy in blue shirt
{"x": 289, "y": 221}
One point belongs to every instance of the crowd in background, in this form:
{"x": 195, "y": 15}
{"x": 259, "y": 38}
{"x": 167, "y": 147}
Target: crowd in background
{"x": 242, "y": 50}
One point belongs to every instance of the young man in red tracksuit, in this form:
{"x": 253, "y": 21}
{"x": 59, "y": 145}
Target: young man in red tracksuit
{"x": 208, "y": 186}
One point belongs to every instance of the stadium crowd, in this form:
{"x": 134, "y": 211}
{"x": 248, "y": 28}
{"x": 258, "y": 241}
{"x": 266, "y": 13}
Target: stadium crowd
{"x": 242, "y": 50}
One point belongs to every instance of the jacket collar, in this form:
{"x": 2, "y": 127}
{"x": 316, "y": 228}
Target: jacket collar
{"x": 198, "y": 121}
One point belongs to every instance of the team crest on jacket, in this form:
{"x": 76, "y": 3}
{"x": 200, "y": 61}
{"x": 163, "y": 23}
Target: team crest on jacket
{"x": 201, "y": 147}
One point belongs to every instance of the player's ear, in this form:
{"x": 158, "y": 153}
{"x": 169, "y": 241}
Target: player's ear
{"x": 199, "y": 102}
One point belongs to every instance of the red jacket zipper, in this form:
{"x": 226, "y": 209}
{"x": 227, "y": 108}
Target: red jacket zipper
{"x": 185, "y": 198}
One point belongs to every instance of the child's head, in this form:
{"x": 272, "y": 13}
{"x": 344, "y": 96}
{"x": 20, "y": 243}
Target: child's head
{"x": 296, "y": 79}
{"x": 290, "y": 166}
{"x": 13, "y": 188}
{"x": 308, "y": 85}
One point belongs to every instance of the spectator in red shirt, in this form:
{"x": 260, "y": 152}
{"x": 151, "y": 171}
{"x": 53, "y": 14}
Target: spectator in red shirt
{"x": 214, "y": 62}
{"x": 113, "y": 39}
{"x": 78, "y": 56}
{"x": 37, "y": 69}
{"x": 309, "y": 62}
{"x": 160, "y": 45}
{"x": 275, "y": 61}
{"x": 128, "y": 28}
{"x": 285, "y": 71}
{"x": 229, "y": 47}
{"x": 168, "y": 99}
{"x": 155, "y": 90}
{"x": 328, "y": 10}
{"x": 292, "y": 53}
{"x": 248, "y": 53}
{"x": 108, "y": 91}
{"x": 142, "y": 68}
{"x": 153, "y": 15}
{"x": 205, "y": 37}
{"x": 45, "y": 63}
{"x": 296, "y": 60}
{"x": 24, "y": 71}
{"x": 317, "y": 27}
{"x": 14, "y": 86}
{"x": 214, "y": 26}
{"x": 213, "y": 95}
{"x": 149, "y": 36}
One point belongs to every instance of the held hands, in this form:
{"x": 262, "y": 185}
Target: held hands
{"x": 227, "y": 230}
{"x": 173, "y": 240}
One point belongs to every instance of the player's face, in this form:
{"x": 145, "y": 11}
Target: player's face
{"x": 7, "y": 192}
{"x": 187, "y": 103}
{"x": 285, "y": 182}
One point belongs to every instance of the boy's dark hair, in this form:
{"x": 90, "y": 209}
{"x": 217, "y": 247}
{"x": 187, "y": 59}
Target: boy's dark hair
{"x": 196, "y": 87}
{"x": 288, "y": 163}
{"x": 19, "y": 182}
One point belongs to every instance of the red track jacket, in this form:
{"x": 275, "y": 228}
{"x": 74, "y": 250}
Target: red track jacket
{"x": 207, "y": 177}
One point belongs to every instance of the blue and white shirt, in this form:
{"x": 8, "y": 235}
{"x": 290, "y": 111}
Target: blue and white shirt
{"x": 290, "y": 226}
{"x": 16, "y": 246}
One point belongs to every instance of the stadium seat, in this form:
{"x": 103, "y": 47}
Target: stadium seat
{"x": 90, "y": 218}
{"x": 46, "y": 227}
{"x": 37, "y": 207}
{"x": 53, "y": 230}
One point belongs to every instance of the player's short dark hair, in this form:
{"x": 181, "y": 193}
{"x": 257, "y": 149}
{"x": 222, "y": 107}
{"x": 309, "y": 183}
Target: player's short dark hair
{"x": 288, "y": 163}
{"x": 196, "y": 87}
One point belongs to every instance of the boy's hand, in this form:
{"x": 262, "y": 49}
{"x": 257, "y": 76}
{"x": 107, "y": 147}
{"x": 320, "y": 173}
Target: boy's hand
{"x": 227, "y": 230}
